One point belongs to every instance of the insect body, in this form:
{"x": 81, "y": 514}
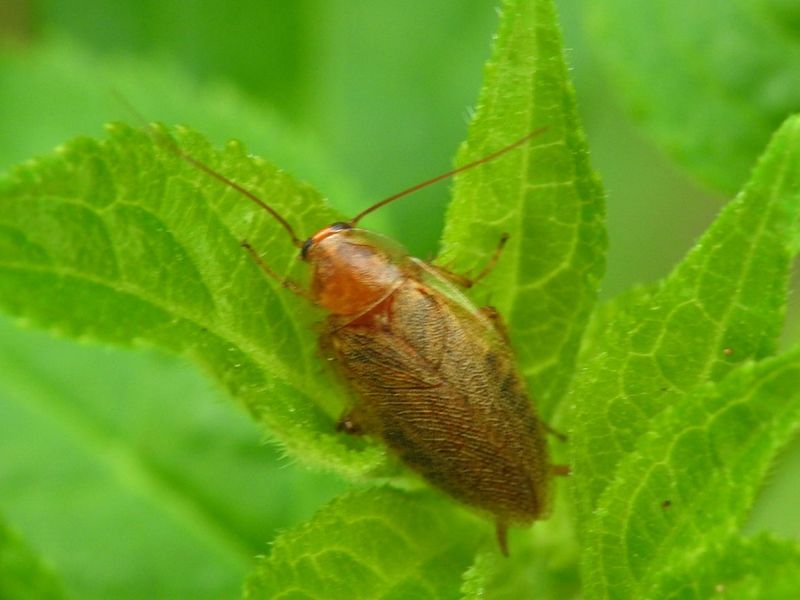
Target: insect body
{"x": 434, "y": 377}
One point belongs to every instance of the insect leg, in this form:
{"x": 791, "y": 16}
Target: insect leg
{"x": 493, "y": 260}
{"x": 288, "y": 284}
{"x": 490, "y": 312}
{"x": 554, "y": 432}
{"x": 468, "y": 282}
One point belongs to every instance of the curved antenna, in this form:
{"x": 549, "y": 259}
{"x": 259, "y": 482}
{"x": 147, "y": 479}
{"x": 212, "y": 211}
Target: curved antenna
{"x": 166, "y": 141}
{"x": 424, "y": 184}
{"x": 242, "y": 190}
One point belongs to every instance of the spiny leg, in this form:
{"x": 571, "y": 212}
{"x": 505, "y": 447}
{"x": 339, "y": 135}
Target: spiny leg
{"x": 467, "y": 282}
{"x": 554, "y": 432}
{"x": 490, "y": 312}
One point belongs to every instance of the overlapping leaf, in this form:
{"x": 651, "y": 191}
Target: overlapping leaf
{"x": 687, "y": 487}
{"x": 723, "y": 305}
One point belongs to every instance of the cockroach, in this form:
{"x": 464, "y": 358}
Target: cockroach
{"x": 433, "y": 376}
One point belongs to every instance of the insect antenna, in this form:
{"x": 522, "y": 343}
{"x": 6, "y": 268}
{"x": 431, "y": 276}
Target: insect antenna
{"x": 448, "y": 174}
{"x": 167, "y": 142}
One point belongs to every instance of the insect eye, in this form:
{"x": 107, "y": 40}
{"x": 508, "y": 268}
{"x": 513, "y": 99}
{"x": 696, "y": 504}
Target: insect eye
{"x": 304, "y": 249}
{"x": 339, "y": 226}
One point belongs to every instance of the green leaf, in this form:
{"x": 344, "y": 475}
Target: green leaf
{"x": 141, "y": 247}
{"x": 22, "y": 575}
{"x": 710, "y": 80}
{"x": 378, "y": 543}
{"x": 741, "y": 568}
{"x": 721, "y": 307}
{"x": 545, "y": 195}
{"x": 690, "y": 481}
{"x": 168, "y": 486}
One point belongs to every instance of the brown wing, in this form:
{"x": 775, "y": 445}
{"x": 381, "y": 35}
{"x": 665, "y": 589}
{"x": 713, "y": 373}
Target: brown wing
{"x": 439, "y": 385}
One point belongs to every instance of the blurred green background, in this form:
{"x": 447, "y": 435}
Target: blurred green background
{"x": 121, "y": 468}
